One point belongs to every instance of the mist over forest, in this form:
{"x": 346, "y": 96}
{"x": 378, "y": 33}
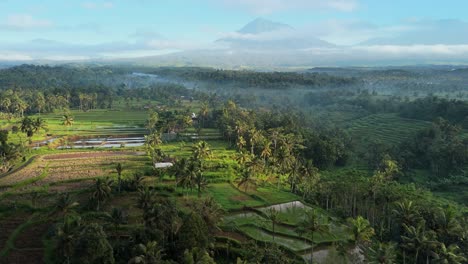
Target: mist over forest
{"x": 246, "y": 132}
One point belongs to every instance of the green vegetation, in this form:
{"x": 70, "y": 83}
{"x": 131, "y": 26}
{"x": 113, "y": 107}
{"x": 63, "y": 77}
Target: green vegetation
{"x": 162, "y": 174}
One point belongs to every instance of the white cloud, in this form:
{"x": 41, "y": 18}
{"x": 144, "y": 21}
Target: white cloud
{"x": 10, "y": 56}
{"x": 97, "y": 5}
{"x": 24, "y": 22}
{"x": 415, "y": 50}
{"x": 271, "y": 6}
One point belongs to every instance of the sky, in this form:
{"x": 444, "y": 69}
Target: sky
{"x": 80, "y": 29}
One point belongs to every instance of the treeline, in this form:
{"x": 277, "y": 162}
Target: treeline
{"x": 39, "y": 89}
{"x": 431, "y": 107}
{"x": 428, "y": 108}
{"x": 257, "y": 79}
{"x": 48, "y": 77}
{"x": 438, "y": 148}
{"x": 282, "y": 138}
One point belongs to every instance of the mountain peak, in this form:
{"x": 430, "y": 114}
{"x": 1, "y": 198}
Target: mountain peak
{"x": 261, "y": 25}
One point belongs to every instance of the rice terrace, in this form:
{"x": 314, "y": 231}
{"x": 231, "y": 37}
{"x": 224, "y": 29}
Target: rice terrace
{"x": 165, "y": 132}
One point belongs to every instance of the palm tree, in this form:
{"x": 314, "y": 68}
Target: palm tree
{"x": 179, "y": 169}
{"x": 200, "y": 181}
{"x": 67, "y": 120}
{"x": 152, "y": 141}
{"x": 66, "y": 236}
{"x": 240, "y": 142}
{"x": 381, "y": 253}
{"x": 152, "y": 122}
{"x": 449, "y": 255}
{"x": 149, "y": 253}
{"x": 309, "y": 179}
{"x": 102, "y": 191}
{"x": 210, "y": 211}
{"x": 145, "y": 197}
{"x": 188, "y": 180}
{"x": 275, "y": 135}
{"x": 406, "y": 212}
{"x": 417, "y": 239}
{"x": 245, "y": 178}
{"x": 204, "y": 112}
{"x": 266, "y": 150}
{"x": 117, "y": 217}
{"x": 310, "y": 225}
{"x": 65, "y": 204}
{"x": 254, "y": 137}
{"x": 6, "y": 103}
{"x": 243, "y": 158}
{"x": 272, "y": 216}
{"x": 27, "y": 126}
{"x": 38, "y": 124}
{"x": 446, "y": 224}
{"x": 201, "y": 150}
{"x": 119, "y": 170}
{"x": 361, "y": 230}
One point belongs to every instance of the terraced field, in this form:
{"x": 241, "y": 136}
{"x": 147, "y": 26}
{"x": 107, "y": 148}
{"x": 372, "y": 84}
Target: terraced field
{"x": 385, "y": 127}
{"x": 254, "y": 224}
{"x": 70, "y": 167}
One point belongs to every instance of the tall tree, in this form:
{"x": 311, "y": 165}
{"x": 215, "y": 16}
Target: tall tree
{"x": 102, "y": 191}
{"x": 119, "y": 170}
{"x": 272, "y": 216}
{"x": 312, "y": 224}
{"x": 361, "y": 229}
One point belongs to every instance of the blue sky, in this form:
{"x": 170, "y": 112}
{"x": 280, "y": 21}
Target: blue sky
{"x": 79, "y": 29}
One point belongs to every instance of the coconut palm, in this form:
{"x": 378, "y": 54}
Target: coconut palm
{"x": 66, "y": 236}
{"x": 145, "y": 197}
{"x": 102, "y": 191}
{"x": 152, "y": 122}
{"x": 272, "y": 216}
{"x": 266, "y": 150}
{"x": 446, "y": 224}
{"x": 119, "y": 170}
{"x": 39, "y": 124}
{"x": 65, "y": 204}
{"x": 146, "y": 254}
{"x": 67, "y": 120}
{"x": 200, "y": 181}
{"x": 246, "y": 178}
{"x": 204, "y": 112}
{"x": 311, "y": 225}
{"x": 27, "y": 126}
{"x": 240, "y": 143}
{"x": 117, "y": 217}
{"x": 418, "y": 239}
{"x": 449, "y": 255}
{"x": 381, "y": 253}
{"x": 406, "y": 212}
{"x": 201, "y": 150}
{"x": 152, "y": 141}
{"x": 179, "y": 169}
{"x": 254, "y": 137}
{"x": 243, "y": 158}
{"x": 361, "y": 229}
{"x": 188, "y": 180}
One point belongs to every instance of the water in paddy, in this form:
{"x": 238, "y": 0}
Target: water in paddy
{"x": 110, "y": 142}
